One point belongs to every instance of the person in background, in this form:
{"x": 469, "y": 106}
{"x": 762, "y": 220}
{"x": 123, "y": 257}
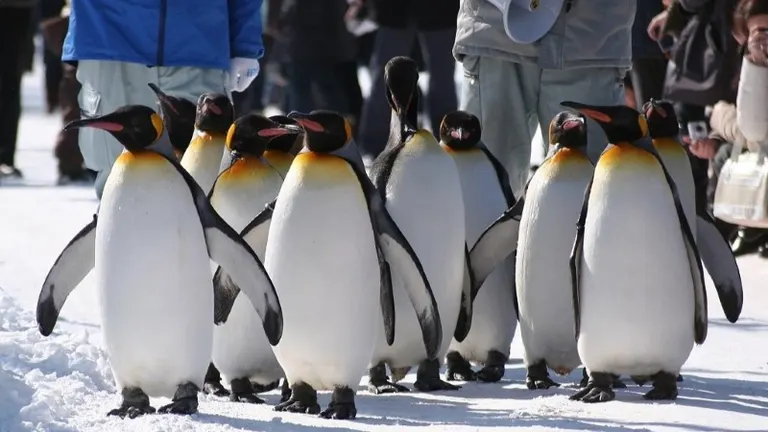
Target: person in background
{"x": 513, "y": 87}
{"x": 16, "y": 17}
{"x": 51, "y": 55}
{"x": 649, "y": 63}
{"x": 316, "y": 42}
{"x": 67, "y": 151}
{"x": 752, "y": 102}
{"x": 252, "y": 98}
{"x": 185, "y": 48}
{"x": 403, "y": 24}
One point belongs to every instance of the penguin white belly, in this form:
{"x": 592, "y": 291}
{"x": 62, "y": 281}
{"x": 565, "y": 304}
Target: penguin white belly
{"x": 679, "y": 167}
{"x": 424, "y": 199}
{"x": 240, "y": 347}
{"x": 203, "y": 159}
{"x": 637, "y": 302}
{"x": 543, "y": 279}
{"x": 493, "y": 319}
{"x": 322, "y": 259}
{"x": 156, "y": 295}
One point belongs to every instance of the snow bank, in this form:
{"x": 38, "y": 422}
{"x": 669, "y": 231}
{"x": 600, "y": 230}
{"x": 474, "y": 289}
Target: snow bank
{"x": 45, "y": 381}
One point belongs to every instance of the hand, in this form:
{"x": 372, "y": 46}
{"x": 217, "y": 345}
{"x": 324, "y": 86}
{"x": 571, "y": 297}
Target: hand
{"x": 757, "y": 45}
{"x": 657, "y": 24}
{"x": 704, "y": 148}
{"x": 242, "y": 71}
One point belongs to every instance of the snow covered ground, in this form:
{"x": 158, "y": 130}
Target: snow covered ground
{"x": 63, "y": 382}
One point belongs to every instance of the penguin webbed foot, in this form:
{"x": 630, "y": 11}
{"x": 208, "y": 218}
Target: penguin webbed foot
{"x": 617, "y": 382}
{"x": 184, "y": 401}
{"x": 285, "y": 391}
{"x": 243, "y": 391}
{"x": 303, "y": 400}
{"x": 679, "y": 378}
{"x": 598, "y": 389}
{"x": 259, "y": 388}
{"x": 494, "y": 368}
{"x": 664, "y": 387}
{"x": 537, "y": 377}
{"x": 458, "y": 368}
{"x": 428, "y": 378}
{"x": 379, "y": 383}
{"x": 640, "y": 380}
{"x": 212, "y": 384}
{"x": 342, "y": 406}
{"x": 135, "y": 404}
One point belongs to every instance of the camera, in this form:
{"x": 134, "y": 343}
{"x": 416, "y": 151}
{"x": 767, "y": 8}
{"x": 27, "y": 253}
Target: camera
{"x": 698, "y": 130}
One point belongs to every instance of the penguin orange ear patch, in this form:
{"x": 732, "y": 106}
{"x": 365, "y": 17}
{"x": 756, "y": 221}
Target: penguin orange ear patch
{"x": 596, "y": 115}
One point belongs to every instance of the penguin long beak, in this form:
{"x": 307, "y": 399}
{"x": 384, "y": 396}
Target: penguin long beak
{"x": 166, "y": 103}
{"x": 102, "y": 123}
{"x": 596, "y": 113}
{"x": 302, "y": 120}
{"x": 573, "y": 123}
{"x": 280, "y": 131}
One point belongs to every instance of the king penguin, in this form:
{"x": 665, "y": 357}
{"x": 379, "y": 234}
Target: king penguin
{"x": 638, "y": 286}
{"x": 334, "y": 272}
{"x": 553, "y": 200}
{"x": 150, "y": 245}
{"x": 487, "y": 194}
{"x": 716, "y": 254}
{"x": 241, "y": 350}
{"x": 203, "y": 157}
{"x": 420, "y": 184}
{"x": 178, "y": 119}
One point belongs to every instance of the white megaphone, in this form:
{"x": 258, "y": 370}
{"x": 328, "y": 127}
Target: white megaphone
{"x": 526, "y": 21}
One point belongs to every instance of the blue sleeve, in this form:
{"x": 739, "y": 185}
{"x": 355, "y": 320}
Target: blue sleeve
{"x": 245, "y": 28}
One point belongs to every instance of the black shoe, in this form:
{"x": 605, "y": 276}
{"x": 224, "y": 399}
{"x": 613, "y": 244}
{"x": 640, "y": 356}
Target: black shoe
{"x": 10, "y": 171}
{"x": 748, "y": 240}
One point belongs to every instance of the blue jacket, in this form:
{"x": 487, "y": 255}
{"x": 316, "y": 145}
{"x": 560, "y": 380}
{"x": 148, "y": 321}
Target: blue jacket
{"x": 196, "y": 33}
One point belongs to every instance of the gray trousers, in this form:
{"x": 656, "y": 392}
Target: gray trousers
{"x": 108, "y": 85}
{"x": 441, "y": 97}
{"x": 512, "y": 99}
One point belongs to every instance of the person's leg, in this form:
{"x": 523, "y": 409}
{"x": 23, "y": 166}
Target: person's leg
{"x": 66, "y": 150}
{"x": 507, "y": 112}
{"x": 374, "y": 122}
{"x": 441, "y": 65}
{"x": 300, "y": 95}
{"x": 106, "y": 86}
{"x": 648, "y": 79}
{"x": 596, "y": 86}
{"x": 347, "y": 75}
{"x": 14, "y": 31}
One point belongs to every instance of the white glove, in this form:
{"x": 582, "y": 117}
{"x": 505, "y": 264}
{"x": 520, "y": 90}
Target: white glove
{"x": 242, "y": 71}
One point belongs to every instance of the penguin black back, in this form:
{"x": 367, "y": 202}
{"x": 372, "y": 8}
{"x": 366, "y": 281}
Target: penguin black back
{"x": 136, "y": 127}
{"x": 215, "y": 113}
{"x": 326, "y": 131}
{"x": 178, "y": 118}
{"x": 286, "y": 143}
{"x": 568, "y": 129}
{"x": 460, "y": 130}
{"x": 401, "y": 77}
{"x": 662, "y": 120}
{"x": 620, "y": 123}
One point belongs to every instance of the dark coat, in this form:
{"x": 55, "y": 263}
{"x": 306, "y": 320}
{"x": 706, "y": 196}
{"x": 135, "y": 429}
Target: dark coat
{"x": 426, "y": 14}
{"x": 642, "y": 45}
{"x": 316, "y": 31}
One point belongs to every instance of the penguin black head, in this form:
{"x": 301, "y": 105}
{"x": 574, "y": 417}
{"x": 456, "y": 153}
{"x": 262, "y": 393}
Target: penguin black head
{"x": 178, "y": 118}
{"x": 289, "y": 143}
{"x": 136, "y": 127}
{"x": 326, "y": 131}
{"x": 251, "y": 134}
{"x": 460, "y": 130}
{"x": 215, "y": 113}
{"x": 568, "y": 129}
{"x": 662, "y": 120}
{"x": 620, "y": 123}
{"x": 401, "y": 76}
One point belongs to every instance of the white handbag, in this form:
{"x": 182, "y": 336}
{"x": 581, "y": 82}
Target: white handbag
{"x": 741, "y": 197}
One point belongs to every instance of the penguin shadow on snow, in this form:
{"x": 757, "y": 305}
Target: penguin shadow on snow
{"x": 745, "y": 324}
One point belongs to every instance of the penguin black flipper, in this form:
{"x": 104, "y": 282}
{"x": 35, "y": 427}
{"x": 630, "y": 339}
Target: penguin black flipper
{"x": 382, "y": 168}
{"x": 495, "y": 244}
{"x": 721, "y": 264}
{"x": 402, "y": 259}
{"x": 228, "y": 249}
{"x": 577, "y": 254}
{"x": 700, "y": 317}
{"x": 387, "y": 296}
{"x": 502, "y": 175}
{"x": 71, "y": 267}
{"x": 225, "y": 290}
{"x": 468, "y": 294}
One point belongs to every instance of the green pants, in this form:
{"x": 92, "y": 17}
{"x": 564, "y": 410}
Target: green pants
{"x": 511, "y": 99}
{"x": 108, "y": 85}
